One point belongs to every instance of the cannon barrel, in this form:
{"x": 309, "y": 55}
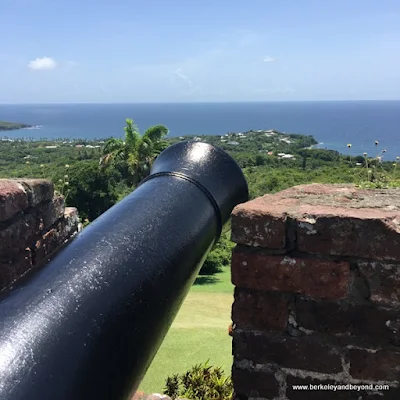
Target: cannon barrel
{"x": 88, "y": 324}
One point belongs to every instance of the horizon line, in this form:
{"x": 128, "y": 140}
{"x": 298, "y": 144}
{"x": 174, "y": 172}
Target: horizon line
{"x": 196, "y": 102}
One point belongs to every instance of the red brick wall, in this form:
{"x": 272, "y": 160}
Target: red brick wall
{"x": 34, "y": 223}
{"x": 316, "y": 272}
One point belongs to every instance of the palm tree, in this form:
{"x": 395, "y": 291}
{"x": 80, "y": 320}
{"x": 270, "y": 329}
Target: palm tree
{"x": 136, "y": 152}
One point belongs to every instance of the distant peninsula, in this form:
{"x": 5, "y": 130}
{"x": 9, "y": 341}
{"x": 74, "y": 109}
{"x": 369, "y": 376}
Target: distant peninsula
{"x": 10, "y": 126}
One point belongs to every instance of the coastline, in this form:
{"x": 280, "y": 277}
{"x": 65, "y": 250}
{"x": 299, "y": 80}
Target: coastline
{"x": 317, "y": 145}
{"x": 334, "y": 124}
{"x": 13, "y": 126}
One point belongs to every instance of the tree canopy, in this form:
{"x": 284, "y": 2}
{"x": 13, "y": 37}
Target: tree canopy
{"x": 134, "y": 155}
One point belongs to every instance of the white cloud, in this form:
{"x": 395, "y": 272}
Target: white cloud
{"x": 188, "y": 86}
{"x": 179, "y": 73}
{"x": 42, "y": 63}
{"x": 268, "y": 59}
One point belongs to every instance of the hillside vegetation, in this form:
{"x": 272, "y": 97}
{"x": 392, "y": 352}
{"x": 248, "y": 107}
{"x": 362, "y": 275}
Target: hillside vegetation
{"x": 94, "y": 175}
{"x": 270, "y": 160}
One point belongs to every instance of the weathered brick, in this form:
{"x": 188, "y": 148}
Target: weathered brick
{"x": 336, "y": 231}
{"x": 254, "y": 384}
{"x": 16, "y": 237}
{"x": 323, "y": 279}
{"x": 43, "y": 225}
{"x": 382, "y": 365}
{"x": 329, "y": 221}
{"x": 55, "y": 237}
{"x": 383, "y": 281}
{"x": 17, "y": 266}
{"x": 371, "y": 324}
{"x": 38, "y": 190}
{"x": 343, "y": 394}
{"x": 71, "y": 212}
{"x": 260, "y": 310}
{"x": 48, "y": 212}
{"x": 13, "y": 199}
{"x": 322, "y": 316}
{"x": 261, "y": 222}
{"x": 46, "y": 245}
{"x": 28, "y": 228}
{"x": 286, "y": 351}
{"x": 67, "y": 226}
{"x": 317, "y": 191}
{"x": 71, "y": 219}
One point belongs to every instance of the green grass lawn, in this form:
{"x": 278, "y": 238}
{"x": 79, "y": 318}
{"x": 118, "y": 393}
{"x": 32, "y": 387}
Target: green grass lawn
{"x": 199, "y": 332}
{"x": 218, "y": 283}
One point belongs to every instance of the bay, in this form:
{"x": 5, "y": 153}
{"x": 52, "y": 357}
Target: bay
{"x": 334, "y": 124}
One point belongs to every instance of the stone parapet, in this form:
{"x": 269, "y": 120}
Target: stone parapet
{"x": 34, "y": 223}
{"x": 316, "y": 272}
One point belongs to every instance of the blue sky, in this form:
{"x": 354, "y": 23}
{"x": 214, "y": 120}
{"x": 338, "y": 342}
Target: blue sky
{"x": 178, "y": 51}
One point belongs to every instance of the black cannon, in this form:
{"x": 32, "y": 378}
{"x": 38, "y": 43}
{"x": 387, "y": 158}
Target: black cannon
{"x": 88, "y": 324}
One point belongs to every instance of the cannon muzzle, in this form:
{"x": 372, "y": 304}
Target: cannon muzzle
{"x": 87, "y": 325}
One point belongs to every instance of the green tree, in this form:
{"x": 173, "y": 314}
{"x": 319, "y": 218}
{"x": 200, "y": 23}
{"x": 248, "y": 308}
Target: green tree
{"x": 220, "y": 255}
{"x": 91, "y": 191}
{"x": 134, "y": 155}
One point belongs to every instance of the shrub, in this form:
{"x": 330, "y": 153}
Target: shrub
{"x": 201, "y": 382}
{"x": 219, "y": 257}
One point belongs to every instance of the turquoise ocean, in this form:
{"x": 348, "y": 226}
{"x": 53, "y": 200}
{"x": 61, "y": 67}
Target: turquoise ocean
{"x": 333, "y": 124}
